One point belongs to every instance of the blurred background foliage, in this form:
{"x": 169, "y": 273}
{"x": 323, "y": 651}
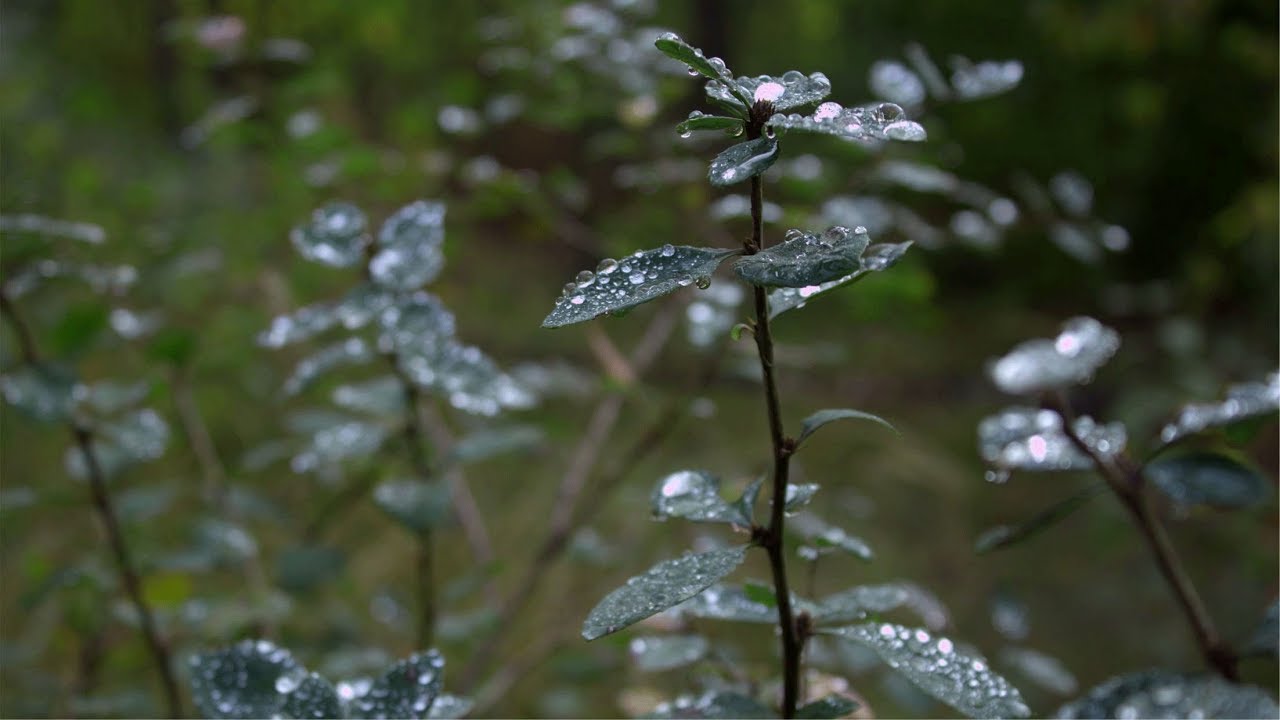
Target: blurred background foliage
{"x": 196, "y": 133}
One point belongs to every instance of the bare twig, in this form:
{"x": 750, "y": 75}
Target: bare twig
{"x": 464, "y": 503}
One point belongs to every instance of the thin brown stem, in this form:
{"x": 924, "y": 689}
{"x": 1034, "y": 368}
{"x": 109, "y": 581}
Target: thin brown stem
{"x": 426, "y": 592}
{"x": 1128, "y": 483}
{"x": 465, "y": 507}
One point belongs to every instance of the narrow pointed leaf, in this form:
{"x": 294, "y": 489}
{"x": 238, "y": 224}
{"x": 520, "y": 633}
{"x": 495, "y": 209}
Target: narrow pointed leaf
{"x": 694, "y": 495}
{"x": 934, "y": 665}
{"x": 721, "y": 602}
{"x": 714, "y": 704}
{"x": 673, "y": 46}
{"x": 835, "y": 538}
{"x": 666, "y": 652}
{"x": 747, "y": 503}
{"x": 743, "y": 161}
{"x": 1167, "y": 694}
{"x": 335, "y": 235}
{"x": 256, "y": 679}
{"x": 876, "y": 258}
{"x": 666, "y": 584}
{"x": 827, "y": 708}
{"x": 699, "y": 121}
{"x": 1243, "y": 401}
{"x": 638, "y": 278}
{"x": 883, "y": 121}
{"x": 1210, "y": 479}
{"x": 799, "y": 495}
{"x": 1003, "y": 536}
{"x": 822, "y": 417}
{"x": 792, "y": 89}
{"x": 418, "y": 505}
{"x": 805, "y": 258}
{"x": 1071, "y": 358}
{"x": 407, "y": 690}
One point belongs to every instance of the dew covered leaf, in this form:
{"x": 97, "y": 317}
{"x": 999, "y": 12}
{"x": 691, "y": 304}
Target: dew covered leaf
{"x": 834, "y": 705}
{"x": 876, "y": 258}
{"x": 1002, "y": 536}
{"x": 417, "y": 325}
{"x": 722, "y": 602}
{"x": 790, "y": 90}
{"x": 698, "y": 120}
{"x": 44, "y": 391}
{"x": 811, "y": 424}
{"x": 742, "y": 161}
{"x": 653, "y": 653}
{"x": 798, "y": 495}
{"x": 409, "y": 247}
{"x": 1210, "y": 479}
{"x": 824, "y": 539}
{"x": 1024, "y": 438}
{"x": 746, "y": 504}
{"x": 381, "y": 396}
{"x": 137, "y": 436}
{"x": 935, "y": 666}
{"x": 407, "y": 690}
{"x": 643, "y": 276}
{"x": 805, "y": 258}
{"x": 1044, "y": 670}
{"x": 1243, "y": 401}
{"x": 299, "y": 325}
{"x": 673, "y": 46}
{"x": 694, "y": 495}
{"x": 466, "y": 378}
{"x": 1071, "y": 358}
{"x": 351, "y": 351}
{"x": 972, "y": 81}
{"x": 334, "y": 236}
{"x": 882, "y": 121}
{"x": 858, "y": 602}
{"x": 895, "y": 82}
{"x": 1266, "y": 637}
{"x": 490, "y": 442}
{"x": 337, "y": 443}
{"x": 1168, "y": 694}
{"x": 450, "y": 707}
{"x": 713, "y": 704}
{"x": 418, "y": 505}
{"x": 257, "y": 679}
{"x": 666, "y": 584}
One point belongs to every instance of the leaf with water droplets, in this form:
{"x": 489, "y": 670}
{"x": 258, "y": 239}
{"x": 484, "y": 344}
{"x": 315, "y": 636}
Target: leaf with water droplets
{"x": 257, "y": 679}
{"x": 351, "y": 351}
{"x": 823, "y": 539}
{"x": 743, "y": 161}
{"x": 791, "y": 90}
{"x": 694, "y": 495}
{"x": 972, "y": 81}
{"x": 799, "y": 495}
{"x": 1167, "y": 694}
{"x": 1044, "y": 670}
{"x": 418, "y": 505}
{"x": 746, "y": 504}
{"x": 858, "y": 602}
{"x": 382, "y": 396}
{"x": 490, "y": 442}
{"x": 673, "y": 46}
{"x": 883, "y": 121}
{"x": 714, "y": 704}
{"x": 44, "y": 391}
{"x": 1003, "y": 536}
{"x": 822, "y": 417}
{"x": 335, "y": 236}
{"x": 450, "y": 707}
{"x": 1210, "y": 479}
{"x": 721, "y": 602}
{"x": 1080, "y": 349}
{"x": 1243, "y": 401}
{"x": 653, "y": 653}
{"x": 700, "y": 121}
{"x": 880, "y": 256}
{"x": 407, "y": 690}
{"x": 409, "y": 247}
{"x": 464, "y": 376}
{"x": 1266, "y": 637}
{"x": 666, "y": 584}
{"x": 895, "y": 82}
{"x": 834, "y": 705}
{"x": 935, "y": 666}
{"x": 805, "y": 258}
{"x": 1023, "y": 438}
{"x": 339, "y": 442}
{"x": 641, "y": 277}
{"x": 419, "y": 324}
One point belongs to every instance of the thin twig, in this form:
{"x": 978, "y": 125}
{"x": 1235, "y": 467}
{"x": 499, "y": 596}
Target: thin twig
{"x": 1127, "y": 481}
{"x": 465, "y": 507}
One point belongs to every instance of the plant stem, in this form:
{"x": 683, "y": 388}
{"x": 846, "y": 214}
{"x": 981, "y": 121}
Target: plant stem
{"x": 414, "y": 438}
{"x": 782, "y": 448}
{"x": 1128, "y": 483}
{"x": 426, "y": 591}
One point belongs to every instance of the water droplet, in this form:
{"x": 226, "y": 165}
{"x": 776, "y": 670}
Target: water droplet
{"x": 703, "y": 282}
{"x": 606, "y": 266}
{"x": 686, "y": 134}
{"x": 668, "y": 250}
{"x": 585, "y": 278}
{"x": 577, "y": 300}
{"x": 693, "y": 72}
{"x": 636, "y": 278}
{"x": 769, "y": 132}
{"x": 770, "y": 91}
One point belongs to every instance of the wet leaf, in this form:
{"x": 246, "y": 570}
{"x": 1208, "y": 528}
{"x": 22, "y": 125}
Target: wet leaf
{"x": 805, "y": 259}
{"x": 419, "y": 325}
{"x": 666, "y": 584}
{"x": 653, "y": 653}
{"x": 257, "y": 679}
{"x": 338, "y": 443}
{"x": 351, "y": 351}
{"x": 407, "y": 690}
{"x": 700, "y": 121}
{"x": 465, "y": 377}
{"x": 490, "y": 442}
{"x": 721, "y": 602}
{"x": 1210, "y": 479}
{"x": 675, "y": 47}
{"x": 1044, "y": 670}
{"x": 799, "y": 495}
{"x": 1167, "y": 694}
{"x": 713, "y": 704}
{"x": 641, "y": 277}
{"x": 791, "y": 90}
{"x": 983, "y": 79}
{"x": 335, "y": 235}
{"x": 1022, "y": 438}
{"x": 418, "y": 505}
{"x": 935, "y": 666}
{"x": 450, "y": 707}
{"x": 1003, "y": 536}
{"x": 743, "y": 161}
{"x": 44, "y": 391}
{"x": 895, "y": 82}
{"x": 409, "y": 247}
{"x": 1243, "y": 401}
{"x": 876, "y": 258}
{"x": 747, "y": 503}
{"x": 1266, "y": 637}
{"x": 883, "y": 121}
{"x": 301, "y": 324}
{"x": 382, "y": 396}
{"x": 822, "y": 417}
{"x": 758, "y": 592}
{"x": 694, "y": 495}
{"x": 831, "y": 706}
{"x": 857, "y": 603}
{"x": 825, "y": 539}
{"x": 1071, "y": 358}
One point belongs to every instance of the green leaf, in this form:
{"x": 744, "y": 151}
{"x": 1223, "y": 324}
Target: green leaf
{"x": 134, "y": 437}
{"x": 713, "y": 704}
{"x": 352, "y": 351}
{"x": 418, "y": 505}
{"x": 257, "y": 679}
{"x": 700, "y": 121}
{"x": 934, "y": 665}
{"x": 857, "y": 603}
{"x": 1266, "y": 638}
{"x": 639, "y": 278}
{"x": 792, "y": 90}
{"x": 805, "y": 259}
{"x": 44, "y": 391}
{"x": 450, "y": 707}
{"x": 409, "y": 247}
{"x": 743, "y": 161}
{"x": 1243, "y": 401}
{"x": 303, "y": 568}
{"x": 1030, "y": 438}
{"x": 694, "y": 495}
{"x": 799, "y": 495}
{"x": 77, "y": 328}
{"x": 381, "y": 396}
{"x": 1162, "y": 693}
{"x": 666, "y": 584}
{"x": 1210, "y": 479}
{"x": 337, "y": 443}
{"x": 487, "y": 443}
{"x": 827, "y": 708}
{"x": 1044, "y": 670}
{"x": 835, "y": 538}
{"x": 876, "y": 258}
{"x": 676, "y": 48}
{"x": 822, "y": 417}
{"x": 667, "y": 652}
{"x": 721, "y": 602}
{"x": 882, "y": 121}
{"x": 747, "y": 503}
{"x": 407, "y": 690}
{"x": 758, "y": 592}
{"x": 335, "y": 236}
{"x": 1071, "y": 358}
{"x": 1003, "y": 536}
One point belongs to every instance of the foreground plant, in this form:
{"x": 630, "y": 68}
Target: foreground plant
{"x": 781, "y": 277}
{"x": 1052, "y": 437}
